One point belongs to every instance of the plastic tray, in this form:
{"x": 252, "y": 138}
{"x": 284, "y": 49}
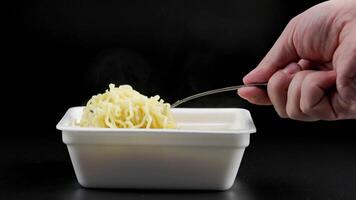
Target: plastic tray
{"x": 204, "y": 152}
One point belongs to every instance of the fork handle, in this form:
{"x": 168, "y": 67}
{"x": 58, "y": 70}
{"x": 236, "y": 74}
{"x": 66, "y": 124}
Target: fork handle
{"x": 225, "y": 89}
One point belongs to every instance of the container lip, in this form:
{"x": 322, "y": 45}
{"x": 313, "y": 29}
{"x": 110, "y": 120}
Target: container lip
{"x": 75, "y": 129}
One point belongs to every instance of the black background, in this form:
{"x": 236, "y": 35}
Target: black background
{"x": 59, "y": 53}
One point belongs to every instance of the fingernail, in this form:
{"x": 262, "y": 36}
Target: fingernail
{"x": 292, "y": 68}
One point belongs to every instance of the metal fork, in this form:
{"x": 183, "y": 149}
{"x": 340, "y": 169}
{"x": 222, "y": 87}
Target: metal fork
{"x": 225, "y": 89}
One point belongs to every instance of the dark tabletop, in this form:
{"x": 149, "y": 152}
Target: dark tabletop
{"x": 278, "y": 164}
{"x": 171, "y": 48}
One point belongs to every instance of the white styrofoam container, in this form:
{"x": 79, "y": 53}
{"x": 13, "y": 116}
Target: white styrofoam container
{"x": 204, "y": 152}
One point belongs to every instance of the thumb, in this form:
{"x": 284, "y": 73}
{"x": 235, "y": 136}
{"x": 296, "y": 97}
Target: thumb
{"x": 282, "y": 53}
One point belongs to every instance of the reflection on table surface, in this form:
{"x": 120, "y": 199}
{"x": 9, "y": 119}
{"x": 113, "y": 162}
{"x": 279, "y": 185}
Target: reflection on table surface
{"x": 290, "y": 166}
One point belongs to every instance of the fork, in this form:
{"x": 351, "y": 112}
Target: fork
{"x": 225, "y": 89}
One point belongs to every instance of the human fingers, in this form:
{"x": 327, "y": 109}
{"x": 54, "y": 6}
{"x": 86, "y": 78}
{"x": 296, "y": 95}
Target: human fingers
{"x": 293, "y": 109}
{"x": 278, "y": 87}
{"x": 314, "y": 97}
{"x": 254, "y": 95}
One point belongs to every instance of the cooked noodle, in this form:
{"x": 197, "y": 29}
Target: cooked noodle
{"x": 123, "y": 107}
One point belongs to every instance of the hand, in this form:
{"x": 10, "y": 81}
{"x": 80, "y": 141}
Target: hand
{"x": 311, "y": 69}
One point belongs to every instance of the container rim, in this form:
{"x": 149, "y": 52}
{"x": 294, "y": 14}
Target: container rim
{"x": 75, "y": 129}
